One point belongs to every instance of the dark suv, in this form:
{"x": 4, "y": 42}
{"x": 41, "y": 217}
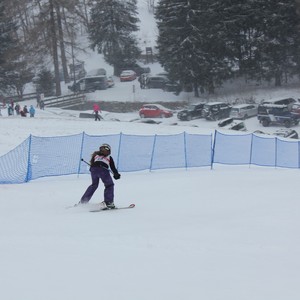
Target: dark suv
{"x": 279, "y": 114}
{"x": 194, "y": 111}
{"x": 162, "y": 82}
{"x": 216, "y": 111}
{"x": 90, "y": 84}
{"x": 156, "y": 82}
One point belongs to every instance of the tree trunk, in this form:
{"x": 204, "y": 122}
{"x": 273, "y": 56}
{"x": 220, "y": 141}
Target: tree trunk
{"x": 211, "y": 86}
{"x": 54, "y": 48}
{"x": 62, "y": 44}
{"x": 195, "y": 87}
{"x": 277, "y": 78}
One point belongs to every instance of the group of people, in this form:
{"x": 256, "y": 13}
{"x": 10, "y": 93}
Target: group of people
{"x": 13, "y": 108}
{"x": 25, "y": 111}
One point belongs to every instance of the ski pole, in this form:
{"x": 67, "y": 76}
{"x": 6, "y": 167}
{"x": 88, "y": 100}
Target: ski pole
{"x": 85, "y": 162}
{"x": 100, "y": 165}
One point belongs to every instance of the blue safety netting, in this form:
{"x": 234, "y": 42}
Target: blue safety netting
{"x": 38, "y": 157}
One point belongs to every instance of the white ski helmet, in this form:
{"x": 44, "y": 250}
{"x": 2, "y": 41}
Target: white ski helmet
{"x": 106, "y": 148}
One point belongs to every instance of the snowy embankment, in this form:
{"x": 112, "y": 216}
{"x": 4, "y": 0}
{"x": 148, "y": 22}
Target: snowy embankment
{"x": 221, "y": 234}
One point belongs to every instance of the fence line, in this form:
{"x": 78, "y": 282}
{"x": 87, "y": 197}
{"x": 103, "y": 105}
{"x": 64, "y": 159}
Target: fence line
{"x": 39, "y": 157}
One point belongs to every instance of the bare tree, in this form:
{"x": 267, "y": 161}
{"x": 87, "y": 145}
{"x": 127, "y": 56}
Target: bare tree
{"x": 53, "y": 27}
{"x": 47, "y": 29}
{"x": 62, "y": 44}
{"x": 151, "y": 5}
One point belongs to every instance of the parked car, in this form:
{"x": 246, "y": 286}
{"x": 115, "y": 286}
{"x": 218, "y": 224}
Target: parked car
{"x": 173, "y": 86}
{"x": 243, "y": 111}
{"x": 278, "y": 114}
{"x": 155, "y": 111}
{"x": 127, "y": 75}
{"x": 287, "y": 133}
{"x": 232, "y": 124}
{"x": 194, "y": 111}
{"x": 216, "y": 110}
{"x": 156, "y": 82}
{"x": 138, "y": 69}
{"x": 90, "y": 84}
{"x": 284, "y": 101}
{"x": 96, "y": 72}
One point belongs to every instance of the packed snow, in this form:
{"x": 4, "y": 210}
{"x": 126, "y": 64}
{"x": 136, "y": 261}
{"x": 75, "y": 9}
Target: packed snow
{"x": 222, "y": 234}
{"x": 227, "y": 233}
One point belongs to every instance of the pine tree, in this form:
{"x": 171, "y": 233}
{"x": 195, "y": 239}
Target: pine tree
{"x": 279, "y": 45}
{"x": 190, "y": 42}
{"x": 111, "y": 31}
{"x": 264, "y": 37}
{"x": 8, "y": 46}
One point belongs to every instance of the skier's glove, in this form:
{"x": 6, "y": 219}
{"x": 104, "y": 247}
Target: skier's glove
{"x": 117, "y": 176}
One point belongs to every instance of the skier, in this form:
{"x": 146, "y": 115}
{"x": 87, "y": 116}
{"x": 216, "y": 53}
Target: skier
{"x": 100, "y": 163}
{"x": 17, "y": 108}
{"x": 31, "y": 111}
{"x": 10, "y": 110}
{"x": 25, "y": 110}
{"x": 42, "y": 104}
{"x": 96, "y": 109}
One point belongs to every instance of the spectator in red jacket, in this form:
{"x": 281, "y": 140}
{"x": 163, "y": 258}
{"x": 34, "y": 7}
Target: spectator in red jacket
{"x": 96, "y": 109}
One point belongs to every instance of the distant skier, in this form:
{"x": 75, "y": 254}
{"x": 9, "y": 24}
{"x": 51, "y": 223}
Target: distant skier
{"x": 17, "y": 108}
{"x": 42, "y": 104}
{"x": 96, "y": 109}
{"x": 25, "y": 110}
{"x": 31, "y": 111}
{"x": 100, "y": 162}
{"x": 10, "y": 110}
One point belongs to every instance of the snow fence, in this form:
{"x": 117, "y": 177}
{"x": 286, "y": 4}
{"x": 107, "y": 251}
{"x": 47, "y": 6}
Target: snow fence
{"x": 38, "y": 157}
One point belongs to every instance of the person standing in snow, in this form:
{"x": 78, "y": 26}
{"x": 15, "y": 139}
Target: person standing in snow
{"x": 31, "y": 111}
{"x": 42, "y": 104}
{"x": 17, "y": 108}
{"x": 96, "y": 109}
{"x": 101, "y": 163}
{"x": 10, "y": 110}
{"x": 25, "y": 110}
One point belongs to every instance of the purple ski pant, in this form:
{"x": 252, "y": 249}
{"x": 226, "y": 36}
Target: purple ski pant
{"x": 96, "y": 174}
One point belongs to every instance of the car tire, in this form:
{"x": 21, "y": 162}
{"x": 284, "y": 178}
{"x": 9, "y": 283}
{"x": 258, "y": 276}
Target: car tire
{"x": 287, "y": 123}
{"x": 163, "y": 116}
{"x": 189, "y": 118}
{"x": 265, "y": 122}
{"x": 245, "y": 117}
{"x": 142, "y": 116}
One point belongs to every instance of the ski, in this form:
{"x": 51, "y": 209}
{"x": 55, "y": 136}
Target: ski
{"x": 116, "y": 208}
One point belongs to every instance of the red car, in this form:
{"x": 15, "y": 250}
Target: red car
{"x": 127, "y": 75}
{"x": 154, "y": 111}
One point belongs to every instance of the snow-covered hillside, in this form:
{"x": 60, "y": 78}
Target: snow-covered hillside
{"x": 231, "y": 233}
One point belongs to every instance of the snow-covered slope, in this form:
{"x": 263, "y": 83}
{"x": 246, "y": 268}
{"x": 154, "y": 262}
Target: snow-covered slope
{"x": 222, "y": 234}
